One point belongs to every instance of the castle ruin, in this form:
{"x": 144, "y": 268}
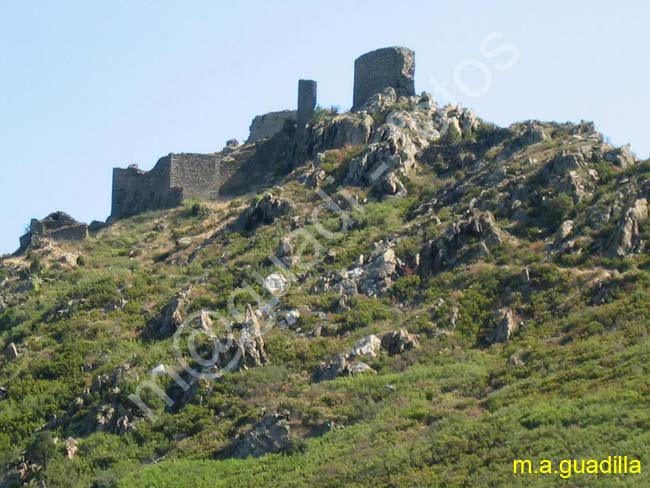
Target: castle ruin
{"x": 58, "y": 226}
{"x": 306, "y": 101}
{"x": 177, "y": 177}
{"x": 174, "y": 178}
{"x": 377, "y": 70}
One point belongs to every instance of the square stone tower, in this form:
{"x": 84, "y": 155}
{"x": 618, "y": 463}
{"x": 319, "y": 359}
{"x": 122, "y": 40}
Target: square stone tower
{"x": 306, "y": 101}
{"x": 383, "y": 68}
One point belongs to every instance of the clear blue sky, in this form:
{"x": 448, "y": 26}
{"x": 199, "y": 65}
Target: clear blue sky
{"x": 85, "y": 86}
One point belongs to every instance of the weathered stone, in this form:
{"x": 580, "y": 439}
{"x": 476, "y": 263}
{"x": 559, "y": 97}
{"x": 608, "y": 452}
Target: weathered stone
{"x": 263, "y": 212}
{"x": 307, "y": 90}
{"x": 276, "y": 284}
{"x": 174, "y": 178}
{"x": 339, "y": 366}
{"x": 11, "y": 352}
{"x": 71, "y": 448}
{"x": 58, "y": 226}
{"x": 396, "y": 342}
{"x": 456, "y": 243}
{"x": 507, "y": 325}
{"x": 267, "y": 125}
{"x": 621, "y": 157}
{"x": 292, "y": 317}
{"x": 270, "y": 435}
{"x": 626, "y": 237}
{"x": 377, "y": 70}
{"x": 173, "y": 314}
{"x": 377, "y": 275}
{"x": 367, "y": 346}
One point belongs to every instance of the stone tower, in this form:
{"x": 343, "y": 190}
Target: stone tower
{"x": 306, "y": 101}
{"x": 383, "y": 68}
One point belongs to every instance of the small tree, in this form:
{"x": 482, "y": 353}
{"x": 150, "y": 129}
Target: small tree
{"x": 41, "y": 449}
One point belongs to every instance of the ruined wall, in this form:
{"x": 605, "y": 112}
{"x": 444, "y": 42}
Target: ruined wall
{"x": 57, "y": 226}
{"x": 174, "y": 178}
{"x": 383, "y": 68}
{"x": 136, "y": 191}
{"x": 197, "y": 174}
{"x": 306, "y": 101}
{"x": 76, "y": 232}
{"x": 267, "y": 125}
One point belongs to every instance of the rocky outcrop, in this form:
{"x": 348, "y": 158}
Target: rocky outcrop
{"x": 506, "y": 326}
{"x": 340, "y": 365}
{"x": 372, "y": 276}
{"x": 626, "y": 239}
{"x": 394, "y": 145}
{"x": 267, "y": 125}
{"x": 532, "y": 133}
{"x": 173, "y": 313}
{"x": 245, "y": 350}
{"x": 348, "y": 364}
{"x": 396, "y": 342}
{"x": 367, "y": 346}
{"x": 11, "y": 352}
{"x": 570, "y": 173}
{"x": 621, "y": 157}
{"x": 334, "y": 132}
{"x": 71, "y": 448}
{"x": 263, "y": 212}
{"x": 269, "y": 435}
{"x": 463, "y": 240}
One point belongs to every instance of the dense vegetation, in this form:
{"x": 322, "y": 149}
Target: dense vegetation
{"x": 456, "y": 411}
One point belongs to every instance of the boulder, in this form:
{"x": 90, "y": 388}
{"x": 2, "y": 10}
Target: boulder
{"x": 367, "y": 346}
{"x": 11, "y": 352}
{"x": 71, "y": 448}
{"x": 377, "y": 276}
{"x": 396, "y": 342}
{"x": 339, "y": 366}
{"x": 173, "y": 314}
{"x": 276, "y": 284}
{"x": 269, "y": 435}
{"x": 263, "y": 212}
{"x": 292, "y": 317}
{"x": 626, "y": 239}
{"x": 507, "y": 325}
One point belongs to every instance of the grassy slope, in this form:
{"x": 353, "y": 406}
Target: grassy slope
{"x": 453, "y": 414}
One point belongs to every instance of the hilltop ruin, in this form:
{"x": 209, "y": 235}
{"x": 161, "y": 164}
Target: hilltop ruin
{"x": 177, "y": 177}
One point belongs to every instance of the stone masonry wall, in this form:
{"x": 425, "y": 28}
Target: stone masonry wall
{"x": 383, "y": 68}
{"x": 197, "y": 174}
{"x": 136, "y": 191}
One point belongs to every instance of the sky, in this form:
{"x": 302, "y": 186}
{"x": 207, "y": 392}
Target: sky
{"x": 87, "y": 86}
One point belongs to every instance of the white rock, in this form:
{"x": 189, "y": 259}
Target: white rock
{"x": 292, "y": 317}
{"x": 158, "y": 370}
{"x": 276, "y": 284}
{"x": 367, "y": 346}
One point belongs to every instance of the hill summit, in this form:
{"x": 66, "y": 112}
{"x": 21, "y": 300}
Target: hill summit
{"x": 400, "y": 295}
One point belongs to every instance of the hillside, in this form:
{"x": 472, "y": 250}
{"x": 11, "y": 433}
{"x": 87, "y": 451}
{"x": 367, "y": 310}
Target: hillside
{"x": 415, "y": 297}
